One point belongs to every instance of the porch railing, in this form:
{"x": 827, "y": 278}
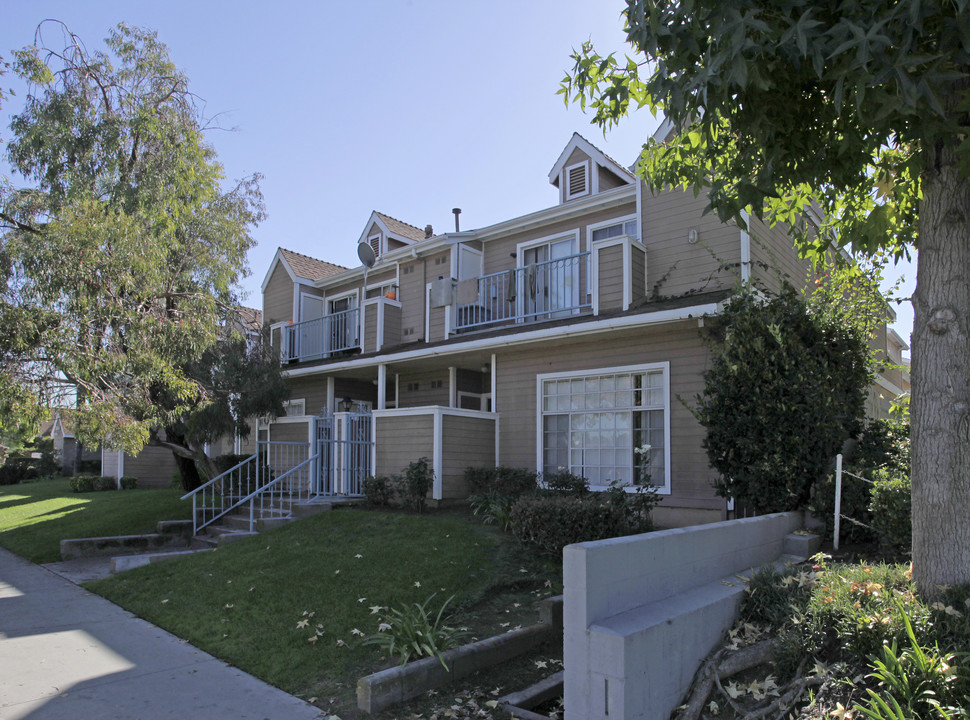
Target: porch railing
{"x": 543, "y": 291}
{"x": 259, "y": 475}
{"x": 322, "y": 337}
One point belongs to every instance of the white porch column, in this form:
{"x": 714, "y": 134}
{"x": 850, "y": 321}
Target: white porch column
{"x": 330, "y": 394}
{"x": 494, "y": 388}
{"x": 452, "y": 386}
{"x": 382, "y": 387}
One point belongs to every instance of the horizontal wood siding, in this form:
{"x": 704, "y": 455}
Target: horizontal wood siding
{"x": 466, "y": 442}
{"x": 278, "y": 297}
{"x": 497, "y": 257}
{"x": 610, "y": 278}
{"x": 312, "y": 389}
{"x": 153, "y": 466}
{"x": 370, "y": 327}
{"x": 425, "y": 394}
{"x": 639, "y": 280}
{"x": 289, "y": 432}
{"x": 676, "y": 343}
{"x": 436, "y": 326}
{"x": 413, "y": 296}
{"x": 392, "y": 325}
{"x": 402, "y": 440}
{"x": 675, "y": 266}
{"x": 774, "y": 248}
{"x": 607, "y": 180}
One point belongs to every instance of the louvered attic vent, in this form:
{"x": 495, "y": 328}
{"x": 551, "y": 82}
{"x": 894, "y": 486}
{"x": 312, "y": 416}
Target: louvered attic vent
{"x": 375, "y": 243}
{"x": 577, "y": 180}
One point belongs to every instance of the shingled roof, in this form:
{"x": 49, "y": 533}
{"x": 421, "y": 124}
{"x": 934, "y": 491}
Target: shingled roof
{"x": 251, "y": 318}
{"x": 401, "y": 228}
{"x": 310, "y": 268}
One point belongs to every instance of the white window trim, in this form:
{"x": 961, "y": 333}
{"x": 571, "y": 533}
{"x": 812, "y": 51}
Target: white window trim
{"x": 585, "y": 164}
{"x": 327, "y": 299}
{"x": 626, "y": 261}
{"x": 520, "y": 249}
{"x": 296, "y": 403}
{"x": 647, "y": 367}
{"x": 323, "y": 304}
{"x": 381, "y": 243}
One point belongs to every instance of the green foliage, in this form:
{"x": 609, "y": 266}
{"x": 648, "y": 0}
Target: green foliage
{"x": 916, "y": 683}
{"x": 494, "y": 509}
{"x": 884, "y": 444}
{"x": 84, "y": 483}
{"x": 128, "y": 482}
{"x": 566, "y": 482}
{"x": 411, "y": 632}
{"x": 121, "y": 260}
{"x": 785, "y": 389}
{"x": 415, "y": 484}
{"x": 11, "y": 474}
{"x": 891, "y": 508}
{"x": 379, "y": 491}
{"x": 502, "y": 480}
{"x": 549, "y": 521}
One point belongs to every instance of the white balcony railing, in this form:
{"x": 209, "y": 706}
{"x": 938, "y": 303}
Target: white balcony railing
{"x": 322, "y": 337}
{"x": 547, "y": 290}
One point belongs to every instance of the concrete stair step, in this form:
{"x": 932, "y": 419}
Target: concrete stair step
{"x": 127, "y": 562}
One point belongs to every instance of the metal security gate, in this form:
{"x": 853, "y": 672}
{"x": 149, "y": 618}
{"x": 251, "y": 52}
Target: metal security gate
{"x": 344, "y": 448}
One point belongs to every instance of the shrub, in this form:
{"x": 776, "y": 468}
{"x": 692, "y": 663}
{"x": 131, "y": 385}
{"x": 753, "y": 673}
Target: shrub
{"x": 884, "y": 444}
{"x": 414, "y": 486}
{"x": 11, "y": 474}
{"x": 106, "y": 483}
{"x": 379, "y": 490}
{"x": 892, "y": 511}
{"x": 89, "y": 467}
{"x": 228, "y": 461}
{"x": 128, "y": 482}
{"x": 550, "y": 521}
{"x": 493, "y": 508}
{"x": 83, "y": 483}
{"x": 566, "y": 482}
{"x": 410, "y": 632}
{"x": 786, "y": 387}
{"x": 501, "y": 480}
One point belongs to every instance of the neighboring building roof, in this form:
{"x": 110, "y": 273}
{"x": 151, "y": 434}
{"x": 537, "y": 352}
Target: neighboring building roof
{"x": 309, "y": 268}
{"x": 251, "y": 318}
{"x": 45, "y": 428}
{"x": 398, "y": 227}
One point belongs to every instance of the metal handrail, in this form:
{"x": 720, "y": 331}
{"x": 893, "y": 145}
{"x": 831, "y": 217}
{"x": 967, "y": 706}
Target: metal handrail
{"x": 322, "y": 337}
{"x": 209, "y": 490}
{"x": 541, "y": 291}
{"x": 266, "y": 489}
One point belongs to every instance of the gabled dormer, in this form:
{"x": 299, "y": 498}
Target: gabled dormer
{"x": 583, "y": 170}
{"x": 384, "y": 234}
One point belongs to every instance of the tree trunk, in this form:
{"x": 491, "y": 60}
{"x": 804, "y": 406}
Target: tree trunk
{"x": 940, "y": 408}
{"x": 183, "y": 458}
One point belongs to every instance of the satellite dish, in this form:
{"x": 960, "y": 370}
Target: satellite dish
{"x": 366, "y": 254}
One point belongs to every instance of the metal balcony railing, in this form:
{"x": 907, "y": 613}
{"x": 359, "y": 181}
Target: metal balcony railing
{"x": 322, "y": 337}
{"x": 547, "y": 290}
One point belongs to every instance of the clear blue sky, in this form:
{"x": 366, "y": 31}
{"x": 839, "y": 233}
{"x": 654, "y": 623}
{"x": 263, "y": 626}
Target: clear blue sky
{"x": 406, "y": 107}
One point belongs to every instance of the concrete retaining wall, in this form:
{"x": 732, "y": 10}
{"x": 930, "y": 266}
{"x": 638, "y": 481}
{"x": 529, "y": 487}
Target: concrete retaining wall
{"x": 641, "y": 612}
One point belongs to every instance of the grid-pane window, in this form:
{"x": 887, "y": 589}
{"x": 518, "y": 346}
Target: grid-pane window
{"x": 607, "y": 427}
{"x": 628, "y": 227}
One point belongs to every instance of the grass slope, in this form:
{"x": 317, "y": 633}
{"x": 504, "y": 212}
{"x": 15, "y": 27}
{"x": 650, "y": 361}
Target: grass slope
{"x": 36, "y": 516}
{"x": 283, "y": 605}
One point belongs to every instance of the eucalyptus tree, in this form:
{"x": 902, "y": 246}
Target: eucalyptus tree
{"x": 858, "y": 107}
{"x": 122, "y": 248}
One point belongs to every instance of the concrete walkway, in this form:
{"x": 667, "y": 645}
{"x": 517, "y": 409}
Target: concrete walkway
{"x": 65, "y": 653}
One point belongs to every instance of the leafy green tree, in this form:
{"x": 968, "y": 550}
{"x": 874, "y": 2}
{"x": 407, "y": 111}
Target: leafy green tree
{"x": 861, "y": 108}
{"x": 121, "y": 257}
{"x": 785, "y": 389}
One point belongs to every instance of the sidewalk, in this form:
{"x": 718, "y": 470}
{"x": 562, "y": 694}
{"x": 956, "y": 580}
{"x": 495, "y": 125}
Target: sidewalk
{"x": 68, "y": 654}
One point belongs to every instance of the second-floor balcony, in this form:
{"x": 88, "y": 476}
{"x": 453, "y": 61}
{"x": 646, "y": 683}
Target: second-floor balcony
{"x": 546, "y": 290}
{"x": 322, "y": 337}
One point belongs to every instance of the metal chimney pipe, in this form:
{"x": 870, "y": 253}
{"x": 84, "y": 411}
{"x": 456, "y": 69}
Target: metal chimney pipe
{"x": 457, "y": 212}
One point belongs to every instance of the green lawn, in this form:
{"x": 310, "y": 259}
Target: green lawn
{"x": 259, "y": 603}
{"x": 36, "y": 516}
